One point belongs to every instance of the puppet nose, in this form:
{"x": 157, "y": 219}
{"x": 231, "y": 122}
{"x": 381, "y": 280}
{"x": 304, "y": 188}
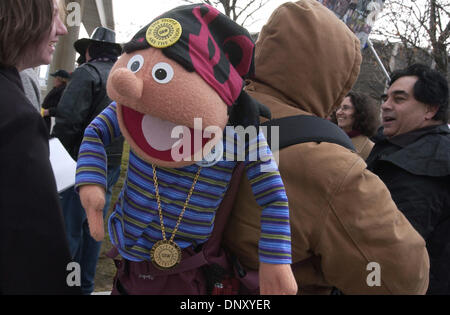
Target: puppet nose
{"x": 126, "y": 84}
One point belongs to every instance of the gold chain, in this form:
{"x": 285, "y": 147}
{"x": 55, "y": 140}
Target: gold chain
{"x": 158, "y": 200}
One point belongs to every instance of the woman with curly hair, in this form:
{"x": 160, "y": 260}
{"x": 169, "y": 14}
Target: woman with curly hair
{"x": 359, "y": 117}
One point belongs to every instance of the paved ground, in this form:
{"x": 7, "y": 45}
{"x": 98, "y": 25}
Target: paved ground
{"x": 105, "y": 270}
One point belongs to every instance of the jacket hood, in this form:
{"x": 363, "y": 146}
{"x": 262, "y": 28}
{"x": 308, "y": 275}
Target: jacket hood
{"x": 423, "y": 152}
{"x": 306, "y": 57}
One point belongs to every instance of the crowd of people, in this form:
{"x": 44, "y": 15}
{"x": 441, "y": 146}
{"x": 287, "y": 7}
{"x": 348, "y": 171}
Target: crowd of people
{"x": 386, "y": 201}
{"x": 83, "y": 99}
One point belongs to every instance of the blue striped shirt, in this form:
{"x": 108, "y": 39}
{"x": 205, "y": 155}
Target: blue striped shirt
{"x": 134, "y": 225}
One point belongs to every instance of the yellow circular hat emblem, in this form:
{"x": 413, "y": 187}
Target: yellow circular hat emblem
{"x": 164, "y": 33}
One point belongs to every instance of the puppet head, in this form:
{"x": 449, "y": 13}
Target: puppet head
{"x": 180, "y": 82}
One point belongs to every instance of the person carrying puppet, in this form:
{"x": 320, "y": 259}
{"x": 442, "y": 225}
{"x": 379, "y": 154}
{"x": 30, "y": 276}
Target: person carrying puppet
{"x": 183, "y": 74}
{"x": 345, "y": 226}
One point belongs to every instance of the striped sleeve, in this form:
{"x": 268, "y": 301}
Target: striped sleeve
{"x": 92, "y": 159}
{"x": 270, "y": 194}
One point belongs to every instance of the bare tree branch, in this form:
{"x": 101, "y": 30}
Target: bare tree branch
{"x": 445, "y": 34}
{"x": 239, "y": 11}
{"x": 251, "y": 13}
{"x": 419, "y": 24}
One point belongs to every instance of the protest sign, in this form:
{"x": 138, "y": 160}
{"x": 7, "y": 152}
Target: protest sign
{"x": 359, "y": 15}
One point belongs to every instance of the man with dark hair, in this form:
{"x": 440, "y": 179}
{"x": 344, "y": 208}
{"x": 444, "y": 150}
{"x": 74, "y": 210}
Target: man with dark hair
{"x": 84, "y": 98}
{"x": 412, "y": 157}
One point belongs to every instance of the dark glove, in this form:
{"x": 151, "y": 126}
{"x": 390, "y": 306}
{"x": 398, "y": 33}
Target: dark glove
{"x": 247, "y": 111}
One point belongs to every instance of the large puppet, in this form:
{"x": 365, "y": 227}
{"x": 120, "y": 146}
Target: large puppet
{"x": 178, "y": 94}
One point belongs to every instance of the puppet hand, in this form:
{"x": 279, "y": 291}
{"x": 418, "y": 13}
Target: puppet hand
{"x": 276, "y": 280}
{"x": 93, "y": 200}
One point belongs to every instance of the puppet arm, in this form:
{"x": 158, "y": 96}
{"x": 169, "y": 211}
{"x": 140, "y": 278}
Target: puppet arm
{"x": 276, "y": 280}
{"x": 91, "y": 178}
{"x": 275, "y": 272}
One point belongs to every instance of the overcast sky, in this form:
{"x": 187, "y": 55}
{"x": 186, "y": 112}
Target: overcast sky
{"x": 131, "y": 15}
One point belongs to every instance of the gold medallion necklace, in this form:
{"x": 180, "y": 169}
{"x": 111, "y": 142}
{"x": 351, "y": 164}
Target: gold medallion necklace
{"x": 166, "y": 254}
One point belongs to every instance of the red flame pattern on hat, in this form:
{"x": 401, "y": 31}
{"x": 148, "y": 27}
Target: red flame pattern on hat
{"x": 204, "y": 65}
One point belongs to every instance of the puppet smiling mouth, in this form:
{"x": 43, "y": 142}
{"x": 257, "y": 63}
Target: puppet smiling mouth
{"x": 153, "y": 136}
{"x": 158, "y": 133}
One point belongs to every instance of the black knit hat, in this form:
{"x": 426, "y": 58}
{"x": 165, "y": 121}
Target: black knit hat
{"x": 202, "y": 39}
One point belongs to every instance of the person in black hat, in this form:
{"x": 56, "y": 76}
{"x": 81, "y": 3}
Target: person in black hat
{"x": 50, "y": 103}
{"x": 81, "y": 60}
{"x": 84, "y": 98}
{"x": 63, "y": 74}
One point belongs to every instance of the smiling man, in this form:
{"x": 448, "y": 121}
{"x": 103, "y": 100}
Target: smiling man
{"x": 412, "y": 157}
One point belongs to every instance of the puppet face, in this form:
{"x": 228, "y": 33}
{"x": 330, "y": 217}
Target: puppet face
{"x": 170, "y": 117}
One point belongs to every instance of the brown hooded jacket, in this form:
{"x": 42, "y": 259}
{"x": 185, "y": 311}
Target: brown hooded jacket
{"x": 346, "y": 230}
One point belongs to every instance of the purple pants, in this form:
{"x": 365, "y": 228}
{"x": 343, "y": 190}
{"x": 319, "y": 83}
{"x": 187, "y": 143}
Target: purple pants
{"x": 142, "y": 278}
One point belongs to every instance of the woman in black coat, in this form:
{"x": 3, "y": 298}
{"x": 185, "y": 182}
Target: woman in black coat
{"x": 34, "y": 255}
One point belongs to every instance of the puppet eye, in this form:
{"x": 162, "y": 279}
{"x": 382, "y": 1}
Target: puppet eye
{"x": 162, "y": 73}
{"x": 136, "y": 63}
